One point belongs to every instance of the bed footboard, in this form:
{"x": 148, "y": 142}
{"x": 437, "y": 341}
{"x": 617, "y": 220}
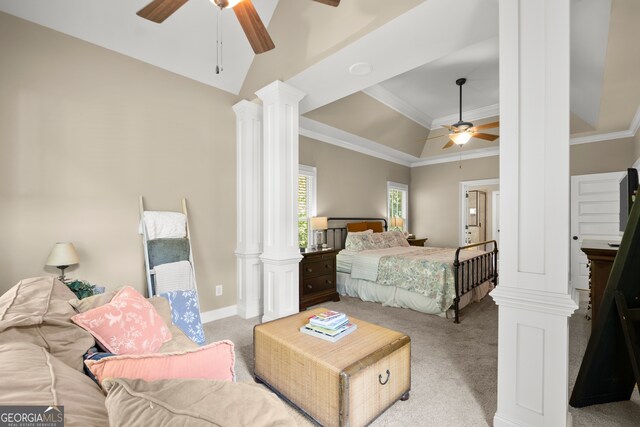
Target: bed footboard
{"x": 473, "y": 272}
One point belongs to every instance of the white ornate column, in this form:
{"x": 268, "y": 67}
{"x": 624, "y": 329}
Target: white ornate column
{"x": 533, "y": 295}
{"x": 249, "y": 208}
{"x": 281, "y": 255}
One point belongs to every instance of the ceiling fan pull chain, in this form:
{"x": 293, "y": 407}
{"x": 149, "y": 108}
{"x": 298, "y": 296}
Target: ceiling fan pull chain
{"x": 219, "y": 43}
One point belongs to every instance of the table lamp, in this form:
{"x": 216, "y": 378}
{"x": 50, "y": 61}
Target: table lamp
{"x": 397, "y": 222}
{"x": 62, "y": 256}
{"x": 319, "y": 224}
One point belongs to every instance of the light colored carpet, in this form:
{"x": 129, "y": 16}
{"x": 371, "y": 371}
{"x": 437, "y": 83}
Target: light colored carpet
{"x": 453, "y": 367}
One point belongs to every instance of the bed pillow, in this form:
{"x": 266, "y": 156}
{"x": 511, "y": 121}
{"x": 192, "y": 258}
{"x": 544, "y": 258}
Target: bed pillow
{"x": 37, "y": 311}
{"x": 195, "y": 403}
{"x": 394, "y": 239}
{"x": 128, "y": 324}
{"x": 358, "y": 241}
{"x": 185, "y": 313}
{"x": 214, "y": 362}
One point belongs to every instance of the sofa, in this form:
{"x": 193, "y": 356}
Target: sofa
{"x": 42, "y": 363}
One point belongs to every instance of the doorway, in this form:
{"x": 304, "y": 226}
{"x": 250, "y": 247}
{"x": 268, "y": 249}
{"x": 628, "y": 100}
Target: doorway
{"x": 472, "y": 227}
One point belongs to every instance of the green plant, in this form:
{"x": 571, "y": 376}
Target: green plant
{"x": 81, "y": 288}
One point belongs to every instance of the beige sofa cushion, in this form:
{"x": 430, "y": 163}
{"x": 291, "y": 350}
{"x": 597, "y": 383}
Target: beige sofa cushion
{"x": 31, "y": 376}
{"x": 37, "y": 311}
{"x": 192, "y": 402}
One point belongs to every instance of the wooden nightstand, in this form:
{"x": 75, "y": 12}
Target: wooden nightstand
{"x": 318, "y": 277}
{"x": 417, "y": 242}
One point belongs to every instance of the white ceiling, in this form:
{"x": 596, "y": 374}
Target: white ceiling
{"x": 416, "y": 57}
{"x": 185, "y": 43}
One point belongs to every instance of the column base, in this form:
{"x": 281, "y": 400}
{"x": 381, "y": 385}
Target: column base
{"x": 281, "y": 292}
{"x": 249, "y": 284}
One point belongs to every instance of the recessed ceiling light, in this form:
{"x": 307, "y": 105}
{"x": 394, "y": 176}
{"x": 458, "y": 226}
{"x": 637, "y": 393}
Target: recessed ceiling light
{"x": 360, "y": 69}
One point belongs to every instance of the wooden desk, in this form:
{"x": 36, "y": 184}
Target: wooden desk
{"x": 600, "y": 256}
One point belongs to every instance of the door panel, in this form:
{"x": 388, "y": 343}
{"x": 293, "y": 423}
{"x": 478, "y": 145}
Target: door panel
{"x": 594, "y": 215}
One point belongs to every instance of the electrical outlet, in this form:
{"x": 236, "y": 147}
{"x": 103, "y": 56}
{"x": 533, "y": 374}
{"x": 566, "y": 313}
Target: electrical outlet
{"x": 218, "y": 290}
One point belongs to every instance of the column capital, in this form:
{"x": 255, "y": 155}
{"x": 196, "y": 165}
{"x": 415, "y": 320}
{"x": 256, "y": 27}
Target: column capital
{"x": 278, "y": 89}
{"x": 534, "y": 300}
{"x": 247, "y": 108}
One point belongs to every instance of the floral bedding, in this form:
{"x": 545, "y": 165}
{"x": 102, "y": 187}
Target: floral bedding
{"x": 425, "y": 270}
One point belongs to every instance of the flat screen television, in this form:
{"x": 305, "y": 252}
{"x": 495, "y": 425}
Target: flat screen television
{"x": 628, "y": 189}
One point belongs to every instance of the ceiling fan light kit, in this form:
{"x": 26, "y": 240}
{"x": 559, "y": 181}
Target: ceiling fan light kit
{"x": 461, "y": 132}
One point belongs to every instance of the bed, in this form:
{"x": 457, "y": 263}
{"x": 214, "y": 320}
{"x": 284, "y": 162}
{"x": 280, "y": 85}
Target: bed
{"x": 382, "y": 267}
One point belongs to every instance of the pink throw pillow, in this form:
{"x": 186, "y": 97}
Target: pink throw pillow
{"x": 127, "y": 325}
{"x": 214, "y": 362}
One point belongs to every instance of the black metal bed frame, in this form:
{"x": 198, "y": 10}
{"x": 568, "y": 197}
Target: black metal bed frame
{"x": 468, "y": 274}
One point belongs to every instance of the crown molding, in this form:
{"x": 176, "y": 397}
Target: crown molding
{"x": 629, "y": 133}
{"x": 389, "y": 99}
{"x": 325, "y": 133}
{"x": 464, "y": 155}
{"x": 471, "y": 115}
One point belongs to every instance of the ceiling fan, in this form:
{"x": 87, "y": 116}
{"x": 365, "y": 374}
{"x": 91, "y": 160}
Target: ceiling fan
{"x": 461, "y": 132}
{"x": 259, "y": 39}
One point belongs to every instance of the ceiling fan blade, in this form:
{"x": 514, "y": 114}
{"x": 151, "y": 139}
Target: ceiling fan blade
{"x": 448, "y": 144}
{"x": 159, "y": 10}
{"x": 333, "y": 3}
{"x": 486, "y": 126}
{"x": 253, "y": 27}
{"x": 485, "y": 136}
{"x": 449, "y": 128}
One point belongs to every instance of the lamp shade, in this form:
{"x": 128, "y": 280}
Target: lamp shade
{"x": 396, "y": 221}
{"x": 319, "y": 223}
{"x": 63, "y": 253}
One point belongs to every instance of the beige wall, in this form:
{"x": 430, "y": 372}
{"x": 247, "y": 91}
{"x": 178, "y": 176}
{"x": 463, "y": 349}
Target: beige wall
{"x": 435, "y": 199}
{"x": 83, "y": 132}
{"x": 350, "y": 184}
{"x": 603, "y": 156}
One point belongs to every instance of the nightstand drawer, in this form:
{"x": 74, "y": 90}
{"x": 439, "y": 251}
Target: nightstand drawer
{"x": 312, "y": 269}
{"x": 318, "y": 284}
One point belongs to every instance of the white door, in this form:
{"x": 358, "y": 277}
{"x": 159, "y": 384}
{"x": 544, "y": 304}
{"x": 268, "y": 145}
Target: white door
{"x": 595, "y": 207}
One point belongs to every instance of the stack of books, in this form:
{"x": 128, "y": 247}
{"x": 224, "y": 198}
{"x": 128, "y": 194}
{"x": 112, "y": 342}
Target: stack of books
{"x": 328, "y": 325}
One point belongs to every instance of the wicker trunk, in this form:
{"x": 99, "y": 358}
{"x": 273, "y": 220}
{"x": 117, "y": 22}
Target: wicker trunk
{"x": 346, "y": 383}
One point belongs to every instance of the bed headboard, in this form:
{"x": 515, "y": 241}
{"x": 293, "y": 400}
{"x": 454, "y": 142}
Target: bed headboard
{"x": 337, "y": 229}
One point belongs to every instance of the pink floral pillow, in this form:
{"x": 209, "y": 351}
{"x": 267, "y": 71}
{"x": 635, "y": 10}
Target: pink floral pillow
{"x": 127, "y": 325}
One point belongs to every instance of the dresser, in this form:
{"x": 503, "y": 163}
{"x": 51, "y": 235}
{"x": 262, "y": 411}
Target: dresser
{"x": 600, "y": 256}
{"x": 318, "y": 277}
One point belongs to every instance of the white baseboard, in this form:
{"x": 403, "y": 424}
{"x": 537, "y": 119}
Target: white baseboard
{"x": 220, "y": 313}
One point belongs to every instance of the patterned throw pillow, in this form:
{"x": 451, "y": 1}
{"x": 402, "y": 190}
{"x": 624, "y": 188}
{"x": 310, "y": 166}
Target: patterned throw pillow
{"x": 358, "y": 241}
{"x": 127, "y": 325}
{"x": 185, "y": 313}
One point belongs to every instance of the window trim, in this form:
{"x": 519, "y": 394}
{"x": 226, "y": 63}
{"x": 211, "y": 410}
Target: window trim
{"x": 405, "y": 205}
{"x": 310, "y": 171}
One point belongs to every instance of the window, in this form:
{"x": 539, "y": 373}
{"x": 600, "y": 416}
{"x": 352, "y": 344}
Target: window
{"x": 306, "y": 202}
{"x": 397, "y": 205}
